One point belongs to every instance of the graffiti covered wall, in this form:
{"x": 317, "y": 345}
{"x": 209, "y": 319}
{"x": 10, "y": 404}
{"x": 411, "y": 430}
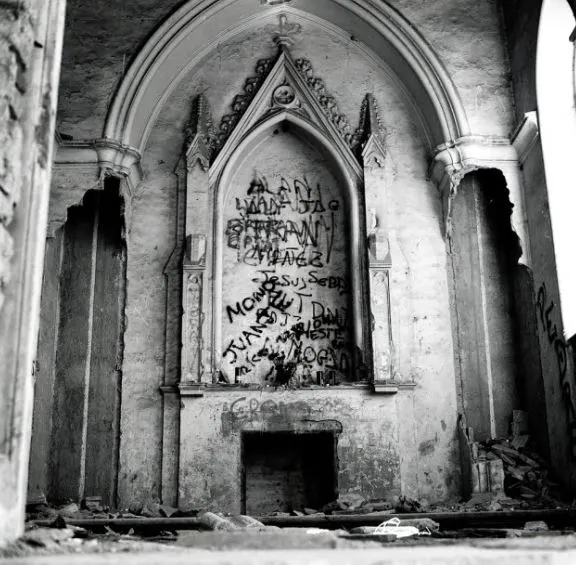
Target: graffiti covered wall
{"x": 285, "y": 283}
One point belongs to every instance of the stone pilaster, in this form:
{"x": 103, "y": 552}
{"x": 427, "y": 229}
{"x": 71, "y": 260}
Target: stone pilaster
{"x": 197, "y": 364}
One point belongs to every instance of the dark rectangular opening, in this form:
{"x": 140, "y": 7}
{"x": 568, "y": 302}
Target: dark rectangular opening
{"x": 285, "y": 471}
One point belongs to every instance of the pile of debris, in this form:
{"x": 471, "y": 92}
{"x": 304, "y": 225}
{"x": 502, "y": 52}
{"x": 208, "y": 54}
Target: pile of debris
{"x": 510, "y": 469}
{"x": 525, "y": 472}
{"x": 353, "y": 503}
{"x": 92, "y": 507}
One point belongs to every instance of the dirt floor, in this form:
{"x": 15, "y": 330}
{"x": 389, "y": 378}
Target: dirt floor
{"x": 287, "y": 547}
{"x": 40, "y": 545}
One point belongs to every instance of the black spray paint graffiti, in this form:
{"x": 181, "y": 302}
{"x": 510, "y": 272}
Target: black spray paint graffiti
{"x": 557, "y": 341}
{"x": 273, "y": 302}
{"x": 262, "y": 238}
{"x": 296, "y": 319}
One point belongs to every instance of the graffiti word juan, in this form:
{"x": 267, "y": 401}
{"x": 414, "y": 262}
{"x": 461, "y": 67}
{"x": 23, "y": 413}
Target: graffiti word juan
{"x": 545, "y": 310}
{"x": 273, "y": 301}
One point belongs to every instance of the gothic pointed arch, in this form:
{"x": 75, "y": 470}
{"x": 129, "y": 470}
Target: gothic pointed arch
{"x": 182, "y": 41}
{"x": 282, "y": 181}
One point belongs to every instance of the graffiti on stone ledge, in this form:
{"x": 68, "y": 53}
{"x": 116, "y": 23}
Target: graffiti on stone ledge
{"x": 558, "y": 343}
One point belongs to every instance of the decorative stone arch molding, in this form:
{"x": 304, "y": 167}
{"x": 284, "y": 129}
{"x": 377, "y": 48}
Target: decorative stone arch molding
{"x": 283, "y": 99}
{"x": 80, "y": 166}
{"x": 453, "y": 161}
{"x": 184, "y": 39}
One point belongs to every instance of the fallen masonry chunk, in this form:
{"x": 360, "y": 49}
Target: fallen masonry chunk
{"x": 47, "y": 537}
{"x": 536, "y": 526}
{"x": 69, "y": 509}
{"x": 423, "y": 524}
{"x": 94, "y": 503}
{"x": 308, "y": 511}
{"x": 243, "y": 521}
{"x": 216, "y": 522}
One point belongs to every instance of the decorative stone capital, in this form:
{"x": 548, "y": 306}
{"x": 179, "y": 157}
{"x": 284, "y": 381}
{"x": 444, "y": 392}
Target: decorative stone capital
{"x": 118, "y": 159}
{"x": 370, "y": 135}
{"x": 455, "y": 159}
{"x": 108, "y": 156}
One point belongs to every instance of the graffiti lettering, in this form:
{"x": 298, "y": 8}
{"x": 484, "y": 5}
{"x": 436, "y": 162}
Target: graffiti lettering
{"x": 246, "y": 410}
{"x": 294, "y": 325}
{"x": 558, "y": 343}
{"x": 256, "y": 256}
{"x": 258, "y": 233}
{"x": 303, "y": 282}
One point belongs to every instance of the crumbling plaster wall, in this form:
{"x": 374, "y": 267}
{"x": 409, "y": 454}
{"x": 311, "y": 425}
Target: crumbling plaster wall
{"x": 423, "y": 445}
{"x": 555, "y": 368}
{"x": 467, "y": 37}
{"x": 30, "y": 47}
{"x": 102, "y": 37}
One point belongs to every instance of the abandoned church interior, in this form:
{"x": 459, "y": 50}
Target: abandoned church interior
{"x": 256, "y": 255}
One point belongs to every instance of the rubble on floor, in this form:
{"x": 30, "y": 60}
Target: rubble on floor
{"x": 506, "y": 473}
{"x": 72, "y": 539}
{"x": 222, "y": 531}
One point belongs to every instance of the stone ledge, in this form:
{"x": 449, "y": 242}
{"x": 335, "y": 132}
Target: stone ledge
{"x": 200, "y": 389}
{"x": 392, "y": 387}
{"x": 385, "y": 387}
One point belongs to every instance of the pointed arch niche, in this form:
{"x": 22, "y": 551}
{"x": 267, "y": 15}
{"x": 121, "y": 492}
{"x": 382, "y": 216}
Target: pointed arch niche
{"x": 276, "y": 269}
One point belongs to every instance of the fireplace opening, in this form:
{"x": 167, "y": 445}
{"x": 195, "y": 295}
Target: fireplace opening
{"x": 285, "y": 471}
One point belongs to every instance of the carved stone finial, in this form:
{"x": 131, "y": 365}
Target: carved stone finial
{"x": 283, "y": 38}
{"x": 373, "y": 124}
{"x": 200, "y": 120}
{"x": 370, "y": 122}
{"x": 369, "y": 138}
{"x": 200, "y": 133}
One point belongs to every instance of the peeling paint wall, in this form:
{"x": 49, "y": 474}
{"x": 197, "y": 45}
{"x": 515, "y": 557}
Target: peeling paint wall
{"x": 552, "y": 380}
{"x": 368, "y": 459}
{"x": 405, "y": 202}
{"x": 405, "y": 442}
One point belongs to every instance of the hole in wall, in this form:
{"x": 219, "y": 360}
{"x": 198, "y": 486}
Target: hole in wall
{"x": 285, "y": 471}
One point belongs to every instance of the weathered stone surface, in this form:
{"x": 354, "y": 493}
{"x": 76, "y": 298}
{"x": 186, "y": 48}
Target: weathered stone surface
{"x": 400, "y": 444}
{"x": 418, "y": 279}
{"x": 466, "y": 35}
{"x": 29, "y": 58}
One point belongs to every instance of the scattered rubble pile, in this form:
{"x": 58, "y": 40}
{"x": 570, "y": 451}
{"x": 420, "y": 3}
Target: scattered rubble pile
{"x": 498, "y": 475}
{"x": 525, "y": 472}
{"x": 65, "y": 538}
{"x": 508, "y": 472}
{"x": 92, "y": 507}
